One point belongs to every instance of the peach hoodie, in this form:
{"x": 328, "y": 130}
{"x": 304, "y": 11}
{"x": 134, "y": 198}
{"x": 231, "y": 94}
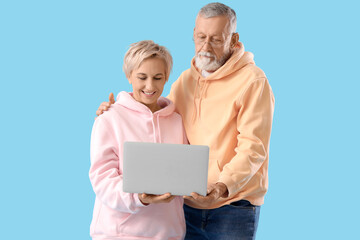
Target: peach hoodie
{"x": 119, "y": 215}
{"x": 231, "y": 111}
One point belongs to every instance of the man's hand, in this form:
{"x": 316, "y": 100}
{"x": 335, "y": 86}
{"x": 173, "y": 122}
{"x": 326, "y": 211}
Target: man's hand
{"x": 146, "y": 199}
{"x": 214, "y": 192}
{"x": 104, "y": 106}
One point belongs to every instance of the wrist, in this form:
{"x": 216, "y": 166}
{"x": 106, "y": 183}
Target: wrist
{"x": 223, "y": 190}
{"x": 142, "y": 201}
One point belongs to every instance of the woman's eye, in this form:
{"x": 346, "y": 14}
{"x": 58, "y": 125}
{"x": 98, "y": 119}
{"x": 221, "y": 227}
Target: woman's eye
{"x": 158, "y": 78}
{"x": 142, "y": 78}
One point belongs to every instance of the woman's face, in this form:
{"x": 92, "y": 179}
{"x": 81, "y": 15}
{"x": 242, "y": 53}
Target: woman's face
{"x": 148, "y": 82}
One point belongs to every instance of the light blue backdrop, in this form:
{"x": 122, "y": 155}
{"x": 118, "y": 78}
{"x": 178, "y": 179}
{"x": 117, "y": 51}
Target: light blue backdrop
{"x": 60, "y": 59}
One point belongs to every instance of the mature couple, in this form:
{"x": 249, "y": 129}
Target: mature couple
{"x": 224, "y": 101}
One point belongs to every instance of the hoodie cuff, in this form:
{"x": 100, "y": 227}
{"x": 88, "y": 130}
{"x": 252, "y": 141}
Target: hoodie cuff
{"x": 230, "y": 184}
{"x": 138, "y": 203}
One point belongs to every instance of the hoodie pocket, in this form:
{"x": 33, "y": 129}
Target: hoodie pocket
{"x": 109, "y": 220}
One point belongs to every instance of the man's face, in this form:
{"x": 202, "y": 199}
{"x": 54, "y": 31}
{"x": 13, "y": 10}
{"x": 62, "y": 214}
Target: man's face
{"x": 212, "y": 42}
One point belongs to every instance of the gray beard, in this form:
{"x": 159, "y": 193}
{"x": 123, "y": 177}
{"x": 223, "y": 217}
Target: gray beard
{"x": 210, "y": 65}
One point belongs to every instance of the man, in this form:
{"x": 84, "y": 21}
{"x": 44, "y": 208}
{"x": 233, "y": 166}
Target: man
{"x": 226, "y": 103}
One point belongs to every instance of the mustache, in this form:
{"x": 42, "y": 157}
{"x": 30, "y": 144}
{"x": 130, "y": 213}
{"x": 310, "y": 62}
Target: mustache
{"x": 206, "y": 54}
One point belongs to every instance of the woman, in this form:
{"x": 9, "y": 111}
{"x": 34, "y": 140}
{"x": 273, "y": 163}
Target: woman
{"x": 143, "y": 116}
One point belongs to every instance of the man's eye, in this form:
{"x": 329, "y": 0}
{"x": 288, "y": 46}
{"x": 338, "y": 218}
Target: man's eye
{"x": 142, "y": 78}
{"x": 157, "y": 78}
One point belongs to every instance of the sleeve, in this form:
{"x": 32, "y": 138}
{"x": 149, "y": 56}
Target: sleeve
{"x": 254, "y": 123}
{"x": 104, "y": 173}
{"x": 174, "y": 90}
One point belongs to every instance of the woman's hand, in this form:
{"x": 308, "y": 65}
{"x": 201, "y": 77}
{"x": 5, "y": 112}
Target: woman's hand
{"x": 146, "y": 199}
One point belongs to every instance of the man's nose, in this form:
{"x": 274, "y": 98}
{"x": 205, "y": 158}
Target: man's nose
{"x": 207, "y": 46}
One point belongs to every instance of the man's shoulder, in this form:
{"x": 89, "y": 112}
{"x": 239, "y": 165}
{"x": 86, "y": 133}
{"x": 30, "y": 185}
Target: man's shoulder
{"x": 182, "y": 80}
{"x": 186, "y": 71}
{"x": 254, "y": 72}
{"x": 185, "y": 75}
{"x": 244, "y": 77}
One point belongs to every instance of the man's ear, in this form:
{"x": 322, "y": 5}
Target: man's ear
{"x": 234, "y": 39}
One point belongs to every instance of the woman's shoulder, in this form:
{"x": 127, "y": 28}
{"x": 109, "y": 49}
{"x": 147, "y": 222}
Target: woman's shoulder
{"x": 112, "y": 115}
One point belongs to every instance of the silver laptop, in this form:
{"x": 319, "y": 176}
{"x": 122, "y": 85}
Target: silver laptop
{"x": 158, "y": 168}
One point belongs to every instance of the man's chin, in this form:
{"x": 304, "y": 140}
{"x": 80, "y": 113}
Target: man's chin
{"x": 210, "y": 69}
{"x": 211, "y": 66}
{"x": 206, "y": 65}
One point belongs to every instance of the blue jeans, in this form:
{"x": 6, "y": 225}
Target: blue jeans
{"x": 239, "y": 220}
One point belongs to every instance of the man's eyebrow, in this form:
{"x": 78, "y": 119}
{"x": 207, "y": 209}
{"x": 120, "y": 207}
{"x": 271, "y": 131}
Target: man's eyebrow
{"x": 214, "y": 35}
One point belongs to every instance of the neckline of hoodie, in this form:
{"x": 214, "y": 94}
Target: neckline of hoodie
{"x": 166, "y": 105}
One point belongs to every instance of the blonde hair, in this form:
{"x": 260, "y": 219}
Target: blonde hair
{"x": 140, "y": 51}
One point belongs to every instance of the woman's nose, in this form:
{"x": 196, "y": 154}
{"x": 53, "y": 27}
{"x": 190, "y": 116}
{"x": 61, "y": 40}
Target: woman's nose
{"x": 149, "y": 85}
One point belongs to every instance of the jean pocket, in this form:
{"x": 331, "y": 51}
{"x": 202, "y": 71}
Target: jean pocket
{"x": 244, "y": 204}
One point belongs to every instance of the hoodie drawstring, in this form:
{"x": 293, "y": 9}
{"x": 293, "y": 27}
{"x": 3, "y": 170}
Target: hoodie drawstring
{"x": 127, "y": 101}
{"x": 197, "y": 109}
{"x": 202, "y": 95}
{"x": 152, "y": 121}
{"x": 158, "y": 123}
{"x": 195, "y": 92}
{"x": 158, "y": 128}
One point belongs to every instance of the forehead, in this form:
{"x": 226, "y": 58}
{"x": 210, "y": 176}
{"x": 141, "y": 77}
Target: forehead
{"x": 152, "y": 65}
{"x": 212, "y": 26}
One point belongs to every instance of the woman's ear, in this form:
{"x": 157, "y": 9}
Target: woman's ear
{"x": 129, "y": 78}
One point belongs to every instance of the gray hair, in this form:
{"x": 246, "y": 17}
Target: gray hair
{"x": 218, "y": 9}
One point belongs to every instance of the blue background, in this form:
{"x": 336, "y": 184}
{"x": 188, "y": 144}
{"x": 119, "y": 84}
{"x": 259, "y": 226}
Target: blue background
{"x": 60, "y": 59}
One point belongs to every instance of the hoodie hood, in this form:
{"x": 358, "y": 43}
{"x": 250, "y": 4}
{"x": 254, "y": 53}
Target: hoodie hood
{"x": 127, "y": 100}
{"x": 238, "y": 60}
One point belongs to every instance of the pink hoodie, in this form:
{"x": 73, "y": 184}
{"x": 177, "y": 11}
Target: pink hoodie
{"x": 119, "y": 215}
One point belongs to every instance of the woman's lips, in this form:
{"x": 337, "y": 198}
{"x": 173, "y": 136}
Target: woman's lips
{"x": 148, "y": 94}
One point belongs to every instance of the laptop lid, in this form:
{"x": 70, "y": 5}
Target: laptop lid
{"x": 158, "y": 168}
